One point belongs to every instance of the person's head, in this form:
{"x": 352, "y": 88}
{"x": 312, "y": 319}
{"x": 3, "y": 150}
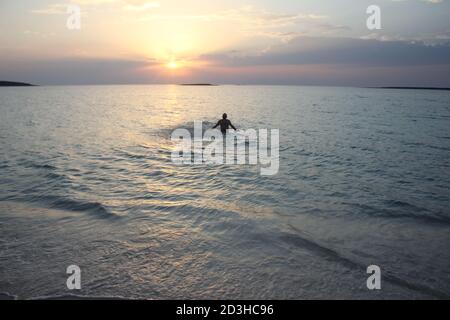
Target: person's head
{"x": 224, "y": 116}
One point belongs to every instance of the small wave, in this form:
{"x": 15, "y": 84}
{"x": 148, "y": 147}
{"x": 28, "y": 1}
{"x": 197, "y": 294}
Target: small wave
{"x": 189, "y": 126}
{"x": 439, "y": 148}
{"x": 42, "y": 166}
{"x": 30, "y": 123}
{"x": 402, "y": 204}
{"x": 131, "y": 155}
{"x": 55, "y": 202}
{"x": 392, "y": 212}
{"x": 28, "y": 163}
{"x": 56, "y": 176}
{"x": 303, "y": 242}
{"x": 7, "y": 296}
{"x": 79, "y": 297}
{"x": 4, "y": 166}
{"x": 333, "y": 255}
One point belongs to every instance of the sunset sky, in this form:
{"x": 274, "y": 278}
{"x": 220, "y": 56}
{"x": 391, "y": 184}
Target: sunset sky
{"x": 310, "y": 42}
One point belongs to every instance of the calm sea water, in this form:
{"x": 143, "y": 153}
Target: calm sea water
{"x": 86, "y": 179}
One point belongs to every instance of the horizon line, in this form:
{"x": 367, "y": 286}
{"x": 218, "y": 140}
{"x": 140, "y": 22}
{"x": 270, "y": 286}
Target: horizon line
{"x": 415, "y": 87}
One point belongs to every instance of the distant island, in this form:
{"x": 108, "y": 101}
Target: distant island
{"x": 198, "y": 84}
{"x": 414, "y": 88}
{"x": 15, "y": 84}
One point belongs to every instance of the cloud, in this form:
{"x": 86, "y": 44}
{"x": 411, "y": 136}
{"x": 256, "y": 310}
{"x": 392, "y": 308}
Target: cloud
{"x": 52, "y": 9}
{"x": 92, "y": 2}
{"x": 247, "y": 14}
{"x": 340, "y": 51}
{"x": 303, "y": 60}
{"x": 129, "y": 5}
{"x": 267, "y": 44}
{"x": 79, "y": 70}
{"x": 257, "y": 17}
{"x": 141, "y": 5}
{"x": 252, "y": 22}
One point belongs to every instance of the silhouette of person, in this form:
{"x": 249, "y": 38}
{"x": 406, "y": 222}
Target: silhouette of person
{"x": 224, "y": 124}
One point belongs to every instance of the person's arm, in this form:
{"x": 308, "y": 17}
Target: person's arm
{"x": 232, "y": 126}
{"x": 218, "y": 122}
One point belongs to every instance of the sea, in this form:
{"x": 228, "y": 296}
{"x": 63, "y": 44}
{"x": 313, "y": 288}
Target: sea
{"x": 87, "y": 178}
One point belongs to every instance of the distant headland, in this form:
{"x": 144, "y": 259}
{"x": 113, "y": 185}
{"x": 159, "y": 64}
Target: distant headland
{"x": 414, "y": 88}
{"x": 15, "y": 84}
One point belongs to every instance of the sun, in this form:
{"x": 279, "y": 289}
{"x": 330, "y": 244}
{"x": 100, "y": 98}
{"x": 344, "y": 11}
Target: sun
{"x": 172, "y": 65}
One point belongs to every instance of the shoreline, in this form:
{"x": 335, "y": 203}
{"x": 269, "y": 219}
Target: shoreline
{"x": 412, "y": 88}
{"x": 15, "y": 84}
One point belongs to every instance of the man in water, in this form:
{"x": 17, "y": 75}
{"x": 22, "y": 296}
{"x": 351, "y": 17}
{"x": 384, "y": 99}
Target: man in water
{"x": 224, "y": 124}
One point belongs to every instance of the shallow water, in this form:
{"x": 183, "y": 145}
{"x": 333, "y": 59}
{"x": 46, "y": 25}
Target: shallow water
{"x": 87, "y": 179}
